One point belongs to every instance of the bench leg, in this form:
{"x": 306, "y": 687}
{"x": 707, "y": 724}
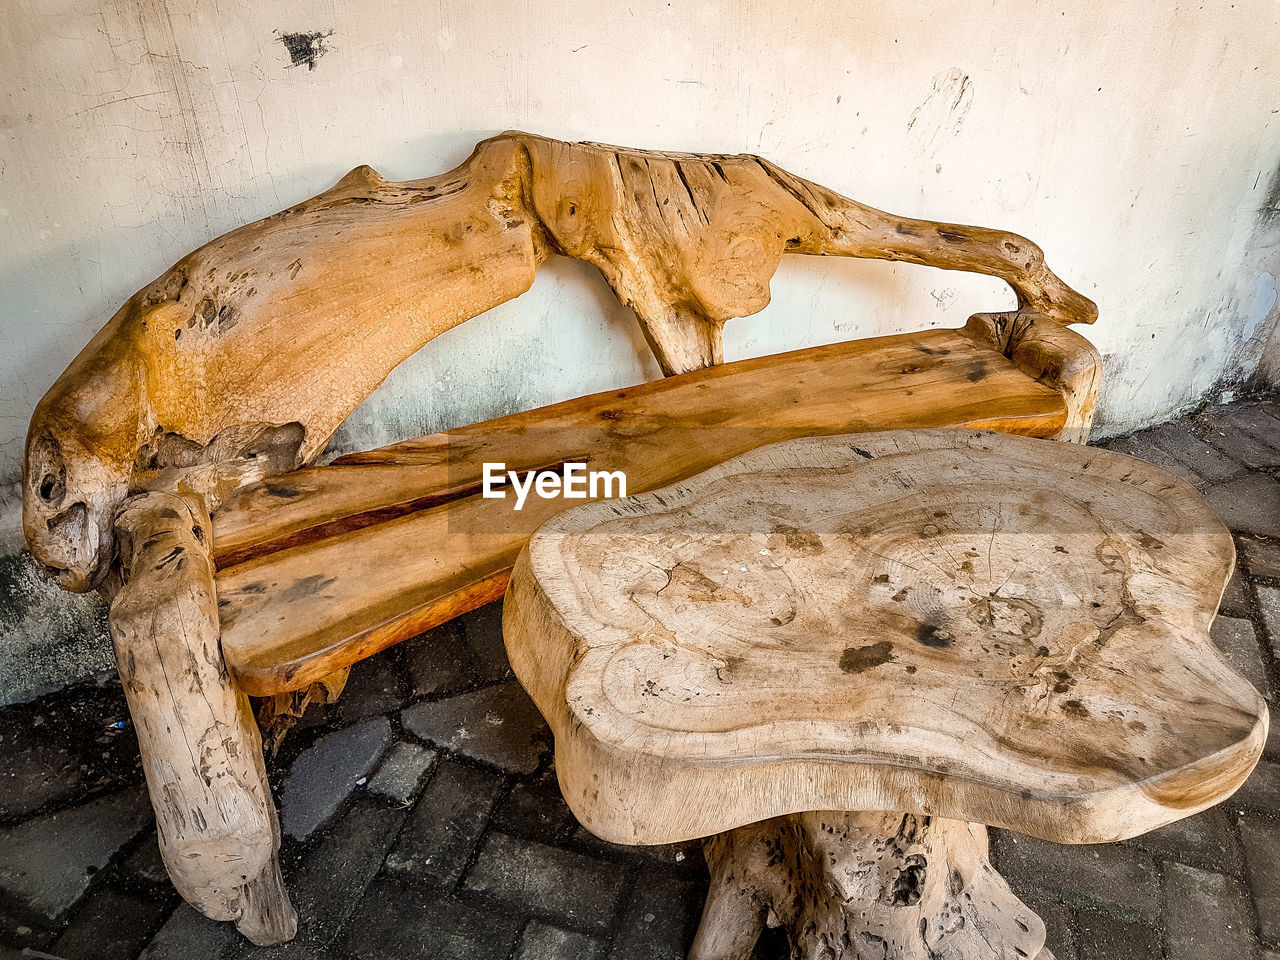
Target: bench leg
{"x": 846, "y": 885}
{"x": 201, "y": 750}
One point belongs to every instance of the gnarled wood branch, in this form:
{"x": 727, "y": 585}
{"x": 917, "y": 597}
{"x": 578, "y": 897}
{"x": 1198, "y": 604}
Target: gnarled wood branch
{"x": 295, "y": 319}
{"x": 1054, "y": 355}
{"x": 847, "y": 885}
{"x": 240, "y": 361}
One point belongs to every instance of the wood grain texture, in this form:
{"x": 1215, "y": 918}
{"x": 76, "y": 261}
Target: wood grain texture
{"x": 201, "y": 751}
{"x": 850, "y": 885}
{"x": 290, "y": 322}
{"x": 973, "y": 626}
{"x": 336, "y": 562}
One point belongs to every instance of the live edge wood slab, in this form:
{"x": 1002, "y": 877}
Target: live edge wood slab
{"x": 236, "y": 366}
{"x": 842, "y": 656}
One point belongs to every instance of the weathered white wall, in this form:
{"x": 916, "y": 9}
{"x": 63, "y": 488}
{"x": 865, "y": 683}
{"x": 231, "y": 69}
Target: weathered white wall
{"x": 1139, "y": 144}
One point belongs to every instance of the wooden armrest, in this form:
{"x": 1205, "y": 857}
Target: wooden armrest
{"x": 1050, "y": 353}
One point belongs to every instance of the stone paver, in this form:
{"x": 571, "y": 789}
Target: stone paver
{"x": 483, "y": 630}
{"x": 1205, "y": 460}
{"x": 1261, "y": 556}
{"x": 374, "y": 687}
{"x": 397, "y": 923}
{"x": 459, "y": 845}
{"x": 661, "y": 917}
{"x": 439, "y": 661}
{"x": 446, "y": 824}
{"x": 1206, "y": 841}
{"x": 577, "y": 889}
{"x": 459, "y": 654}
{"x": 1237, "y": 638}
{"x": 1241, "y": 436}
{"x": 672, "y": 854}
{"x": 1269, "y": 605}
{"x": 1261, "y": 792}
{"x": 402, "y": 771}
{"x": 187, "y": 935}
{"x": 535, "y": 810}
{"x": 47, "y": 863}
{"x": 1059, "y": 923}
{"x": 111, "y": 924}
{"x": 1144, "y": 449}
{"x": 1249, "y": 504}
{"x": 1113, "y": 876}
{"x": 1258, "y": 416}
{"x": 498, "y": 725}
{"x": 1235, "y": 602}
{"x": 61, "y": 748}
{"x": 541, "y": 941}
{"x": 145, "y": 864}
{"x": 327, "y": 884}
{"x": 1261, "y": 839}
{"x": 326, "y": 773}
{"x": 1272, "y": 748}
{"x": 1101, "y": 936}
{"x": 1205, "y": 915}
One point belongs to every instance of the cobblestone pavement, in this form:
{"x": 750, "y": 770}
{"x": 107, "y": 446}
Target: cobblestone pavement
{"x": 422, "y": 817}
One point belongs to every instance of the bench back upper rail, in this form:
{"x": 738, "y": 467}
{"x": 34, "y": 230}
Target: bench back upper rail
{"x": 242, "y": 359}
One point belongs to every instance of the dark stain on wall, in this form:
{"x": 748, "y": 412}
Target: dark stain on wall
{"x": 1270, "y": 212}
{"x": 305, "y": 48}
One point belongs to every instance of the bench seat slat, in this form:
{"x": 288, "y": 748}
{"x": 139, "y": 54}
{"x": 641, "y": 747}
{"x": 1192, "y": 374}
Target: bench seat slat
{"x": 327, "y": 565}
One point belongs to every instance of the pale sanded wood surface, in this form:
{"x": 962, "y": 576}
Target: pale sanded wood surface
{"x": 327, "y": 565}
{"x": 201, "y": 752}
{"x": 976, "y": 626}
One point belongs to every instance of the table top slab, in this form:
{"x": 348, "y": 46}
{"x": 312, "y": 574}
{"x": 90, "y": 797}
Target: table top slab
{"x": 972, "y": 625}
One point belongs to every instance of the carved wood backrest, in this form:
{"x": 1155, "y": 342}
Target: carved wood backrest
{"x": 244, "y": 357}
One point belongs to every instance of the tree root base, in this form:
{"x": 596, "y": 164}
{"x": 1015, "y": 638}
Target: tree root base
{"x": 850, "y": 884}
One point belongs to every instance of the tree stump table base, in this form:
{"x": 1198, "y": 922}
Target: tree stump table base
{"x": 900, "y": 886}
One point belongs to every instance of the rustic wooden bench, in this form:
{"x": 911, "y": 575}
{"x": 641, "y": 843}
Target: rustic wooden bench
{"x": 169, "y": 466}
{"x": 841, "y": 657}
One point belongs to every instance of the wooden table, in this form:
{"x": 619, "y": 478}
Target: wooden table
{"x": 841, "y": 657}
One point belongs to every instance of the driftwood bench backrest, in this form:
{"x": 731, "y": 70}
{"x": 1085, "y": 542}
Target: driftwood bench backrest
{"x": 244, "y": 357}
